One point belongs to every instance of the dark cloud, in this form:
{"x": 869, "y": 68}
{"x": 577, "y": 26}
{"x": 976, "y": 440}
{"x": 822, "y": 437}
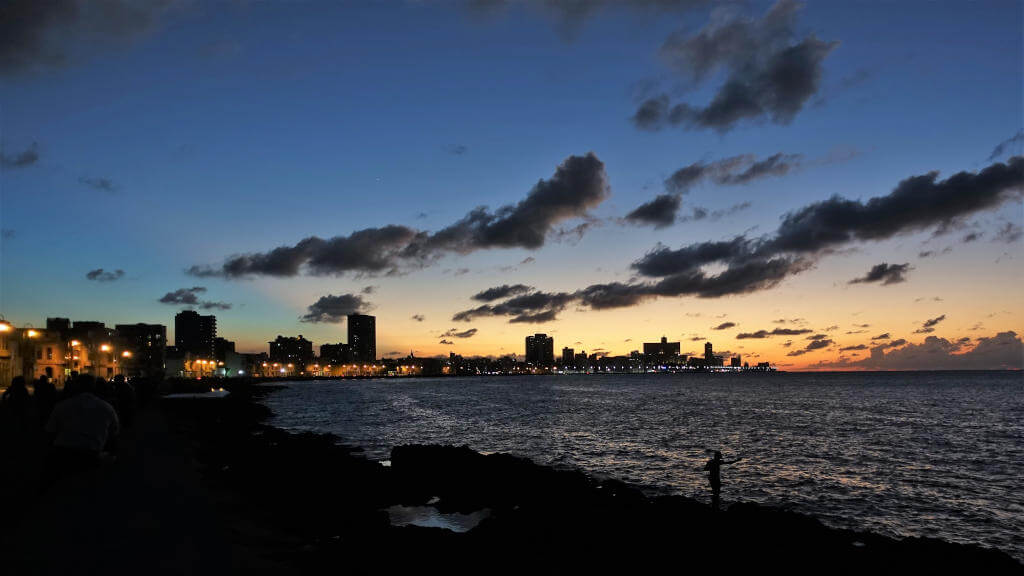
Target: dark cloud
{"x": 44, "y": 34}
{"x": 578, "y": 185}
{"x": 1009, "y": 233}
{"x": 819, "y": 343}
{"x": 503, "y": 291}
{"x": 215, "y": 305}
{"x": 817, "y": 337}
{"x": 857, "y": 347}
{"x": 917, "y": 203}
{"x": 724, "y": 326}
{"x": 453, "y": 333}
{"x": 881, "y": 337}
{"x": 1011, "y": 144}
{"x": 101, "y": 275}
{"x": 884, "y": 273}
{"x": 660, "y": 212}
{"x": 775, "y": 332}
{"x": 813, "y": 345}
{"x": 334, "y": 309}
{"x": 1002, "y": 351}
{"x": 183, "y": 296}
{"x": 26, "y": 157}
{"x": 369, "y": 289}
{"x": 769, "y": 72}
{"x": 971, "y": 237}
{"x": 448, "y": 342}
{"x": 929, "y": 325}
{"x": 535, "y": 307}
{"x": 419, "y": 317}
{"x": 101, "y": 184}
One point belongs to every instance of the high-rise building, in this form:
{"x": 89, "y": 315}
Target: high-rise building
{"x": 144, "y": 349}
{"x": 336, "y": 354}
{"x": 568, "y": 357}
{"x": 195, "y": 333}
{"x": 540, "y": 350}
{"x": 290, "y": 350}
{"x": 735, "y": 362}
{"x": 362, "y": 337}
{"x": 661, "y": 350}
{"x": 709, "y": 354}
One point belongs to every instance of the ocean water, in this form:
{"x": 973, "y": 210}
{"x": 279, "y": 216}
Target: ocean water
{"x": 936, "y": 454}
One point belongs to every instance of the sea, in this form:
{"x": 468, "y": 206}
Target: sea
{"x": 936, "y": 454}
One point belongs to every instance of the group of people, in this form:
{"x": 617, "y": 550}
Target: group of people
{"x": 73, "y": 429}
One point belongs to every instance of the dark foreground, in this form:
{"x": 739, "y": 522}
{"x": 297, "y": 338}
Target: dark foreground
{"x": 257, "y": 500}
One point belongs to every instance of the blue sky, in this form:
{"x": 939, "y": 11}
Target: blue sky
{"x": 236, "y": 128}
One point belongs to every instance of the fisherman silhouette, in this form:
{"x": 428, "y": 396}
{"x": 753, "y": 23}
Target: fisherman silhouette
{"x": 714, "y": 470}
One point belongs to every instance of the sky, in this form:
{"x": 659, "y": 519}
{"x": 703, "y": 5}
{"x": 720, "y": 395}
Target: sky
{"x": 821, "y": 186}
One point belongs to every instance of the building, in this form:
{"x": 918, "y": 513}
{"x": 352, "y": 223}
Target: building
{"x": 661, "y": 350}
{"x": 568, "y": 357}
{"x": 540, "y": 350}
{"x": 709, "y": 354}
{"x": 337, "y": 354}
{"x": 195, "y": 334}
{"x": 736, "y": 362}
{"x": 291, "y": 353}
{"x": 143, "y": 349}
{"x": 362, "y": 337}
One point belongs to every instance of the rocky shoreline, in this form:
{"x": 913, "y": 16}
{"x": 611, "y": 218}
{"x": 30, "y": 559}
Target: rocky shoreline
{"x": 305, "y": 503}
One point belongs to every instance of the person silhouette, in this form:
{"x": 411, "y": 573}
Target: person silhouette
{"x": 714, "y": 470}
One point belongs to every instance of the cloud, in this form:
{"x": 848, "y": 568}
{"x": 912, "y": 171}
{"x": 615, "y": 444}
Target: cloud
{"x": 1011, "y": 143}
{"x": 724, "y": 326}
{"x": 816, "y": 344}
{"x": 449, "y": 342}
{"x": 884, "y": 273}
{"x": 369, "y": 290}
{"x": 579, "y": 184}
{"x": 183, "y": 296}
{"x": 776, "y": 332}
{"x": 37, "y": 35}
{"x": 929, "y": 325}
{"x": 101, "y": 275}
{"x": 735, "y": 170}
{"x": 101, "y": 184}
{"x": 660, "y": 212}
{"x": 1009, "y": 233}
{"x": 817, "y": 337}
{"x": 857, "y": 347}
{"x": 190, "y": 297}
{"x": 742, "y": 265}
{"x": 334, "y": 309}
{"x": 1002, "y": 351}
{"x": 419, "y": 317}
{"x": 499, "y": 292}
{"x": 23, "y": 159}
{"x": 453, "y": 333}
{"x": 769, "y": 72}
{"x": 881, "y": 337}
{"x": 917, "y": 203}
{"x": 456, "y": 149}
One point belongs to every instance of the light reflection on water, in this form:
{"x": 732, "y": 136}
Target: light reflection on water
{"x": 924, "y": 454}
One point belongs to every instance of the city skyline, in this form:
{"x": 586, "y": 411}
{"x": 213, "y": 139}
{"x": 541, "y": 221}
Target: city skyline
{"x": 285, "y": 166}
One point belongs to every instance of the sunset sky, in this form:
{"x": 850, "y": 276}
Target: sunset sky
{"x": 627, "y": 170}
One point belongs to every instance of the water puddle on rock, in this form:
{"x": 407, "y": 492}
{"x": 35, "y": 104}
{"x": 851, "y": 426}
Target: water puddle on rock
{"x": 430, "y": 517}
